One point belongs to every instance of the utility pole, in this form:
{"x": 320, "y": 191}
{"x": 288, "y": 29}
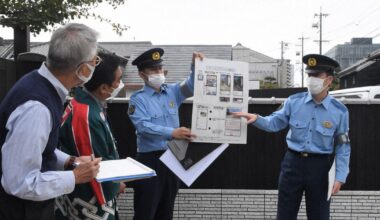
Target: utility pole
{"x": 302, "y": 46}
{"x": 319, "y": 25}
{"x": 283, "y": 47}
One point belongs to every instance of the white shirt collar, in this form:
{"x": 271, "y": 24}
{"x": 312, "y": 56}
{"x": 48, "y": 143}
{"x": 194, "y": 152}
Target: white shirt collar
{"x": 61, "y": 89}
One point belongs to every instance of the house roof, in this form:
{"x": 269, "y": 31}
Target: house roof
{"x": 6, "y": 47}
{"x": 361, "y": 64}
{"x": 252, "y": 55}
{"x": 177, "y": 58}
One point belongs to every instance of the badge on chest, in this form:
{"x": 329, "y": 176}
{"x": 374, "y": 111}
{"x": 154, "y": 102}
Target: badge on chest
{"x": 171, "y": 104}
{"x": 327, "y": 124}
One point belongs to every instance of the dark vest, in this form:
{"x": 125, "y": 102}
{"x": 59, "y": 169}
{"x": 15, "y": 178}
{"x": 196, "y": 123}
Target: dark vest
{"x": 32, "y": 86}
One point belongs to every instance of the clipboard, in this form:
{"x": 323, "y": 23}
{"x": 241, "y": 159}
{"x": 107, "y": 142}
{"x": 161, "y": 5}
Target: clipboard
{"x": 331, "y": 180}
{"x": 123, "y": 170}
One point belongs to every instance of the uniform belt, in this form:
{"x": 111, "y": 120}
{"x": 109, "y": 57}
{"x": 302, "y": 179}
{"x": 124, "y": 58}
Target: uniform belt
{"x": 307, "y": 154}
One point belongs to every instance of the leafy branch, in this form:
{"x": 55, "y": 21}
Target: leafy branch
{"x": 42, "y": 15}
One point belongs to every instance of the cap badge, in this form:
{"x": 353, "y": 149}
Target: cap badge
{"x": 312, "y": 61}
{"x": 156, "y": 56}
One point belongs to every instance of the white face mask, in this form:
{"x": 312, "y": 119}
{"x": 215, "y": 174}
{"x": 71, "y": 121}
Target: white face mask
{"x": 117, "y": 90}
{"x": 315, "y": 85}
{"x": 84, "y": 78}
{"x": 156, "y": 80}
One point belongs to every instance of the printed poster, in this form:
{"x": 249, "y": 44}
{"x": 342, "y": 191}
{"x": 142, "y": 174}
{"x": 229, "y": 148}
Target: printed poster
{"x": 220, "y": 87}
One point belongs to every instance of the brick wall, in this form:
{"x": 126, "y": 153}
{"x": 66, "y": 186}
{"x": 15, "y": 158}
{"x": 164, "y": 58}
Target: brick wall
{"x": 256, "y": 204}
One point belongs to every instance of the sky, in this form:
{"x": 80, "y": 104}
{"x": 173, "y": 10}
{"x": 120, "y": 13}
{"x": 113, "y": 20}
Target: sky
{"x": 260, "y": 25}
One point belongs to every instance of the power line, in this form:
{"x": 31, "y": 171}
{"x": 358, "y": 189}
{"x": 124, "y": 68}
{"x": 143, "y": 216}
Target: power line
{"x": 368, "y": 14}
{"x": 372, "y": 31}
{"x": 376, "y": 36}
{"x": 355, "y": 21}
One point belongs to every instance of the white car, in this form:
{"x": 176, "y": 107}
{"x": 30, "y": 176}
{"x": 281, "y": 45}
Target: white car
{"x": 365, "y": 94}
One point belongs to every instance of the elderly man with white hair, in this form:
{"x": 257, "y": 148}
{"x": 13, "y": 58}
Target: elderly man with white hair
{"x": 33, "y": 171}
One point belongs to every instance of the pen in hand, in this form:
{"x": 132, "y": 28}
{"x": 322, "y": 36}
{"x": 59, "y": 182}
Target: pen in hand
{"x": 87, "y": 170}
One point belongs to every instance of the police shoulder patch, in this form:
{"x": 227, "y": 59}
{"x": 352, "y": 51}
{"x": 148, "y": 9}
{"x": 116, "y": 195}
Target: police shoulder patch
{"x": 131, "y": 109}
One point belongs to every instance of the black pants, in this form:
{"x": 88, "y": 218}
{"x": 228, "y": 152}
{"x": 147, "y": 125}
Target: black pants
{"x": 13, "y": 208}
{"x": 303, "y": 174}
{"x": 154, "y": 197}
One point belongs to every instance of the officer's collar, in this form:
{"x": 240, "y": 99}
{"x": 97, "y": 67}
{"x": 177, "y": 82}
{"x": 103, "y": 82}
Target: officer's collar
{"x": 151, "y": 91}
{"x": 325, "y": 102}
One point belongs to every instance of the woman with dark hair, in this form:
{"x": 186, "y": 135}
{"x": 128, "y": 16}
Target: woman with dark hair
{"x": 85, "y": 130}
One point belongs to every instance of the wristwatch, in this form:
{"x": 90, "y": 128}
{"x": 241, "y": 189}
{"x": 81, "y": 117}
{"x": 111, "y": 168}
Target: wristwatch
{"x": 72, "y": 164}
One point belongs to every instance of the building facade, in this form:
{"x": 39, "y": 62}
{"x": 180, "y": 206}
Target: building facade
{"x": 263, "y": 68}
{"x": 365, "y": 72}
{"x": 349, "y": 54}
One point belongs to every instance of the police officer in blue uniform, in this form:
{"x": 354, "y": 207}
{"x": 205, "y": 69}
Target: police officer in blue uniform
{"x": 154, "y": 112}
{"x": 318, "y": 132}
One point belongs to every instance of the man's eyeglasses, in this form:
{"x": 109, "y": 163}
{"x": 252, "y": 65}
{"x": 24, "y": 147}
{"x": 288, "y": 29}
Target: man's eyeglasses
{"x": 97, "y": 61}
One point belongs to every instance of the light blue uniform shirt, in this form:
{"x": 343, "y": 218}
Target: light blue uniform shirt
{"x": 313, "y": 127}
{"x": 155, "y": 114}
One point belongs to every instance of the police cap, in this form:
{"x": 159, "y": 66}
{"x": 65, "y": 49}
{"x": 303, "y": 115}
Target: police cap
{"x": 148, "y": 59}
{"x": 316, "y": 63}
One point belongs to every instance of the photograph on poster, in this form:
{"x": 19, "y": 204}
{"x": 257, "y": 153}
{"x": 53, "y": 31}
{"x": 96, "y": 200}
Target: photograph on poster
{"x": 224, "y": 99}
{"x": 211, "y": 84}
{"x": 233, "y": 124}
{"x": 225, "y": 84}
{"x": 238, "y": 85}
{"x": 202, "y": 118}
{"x": 238, "y": 100}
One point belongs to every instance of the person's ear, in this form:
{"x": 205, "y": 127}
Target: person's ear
{"x": 104, "y": 89}
{"x": 80, "y": 68}
{"x": 142, "y": 75}
{"x": 330, "y": 80}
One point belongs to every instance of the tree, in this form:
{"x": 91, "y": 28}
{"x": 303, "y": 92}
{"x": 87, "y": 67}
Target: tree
{"x": 269, "y": 82}
{"x": 34, "y": 16}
